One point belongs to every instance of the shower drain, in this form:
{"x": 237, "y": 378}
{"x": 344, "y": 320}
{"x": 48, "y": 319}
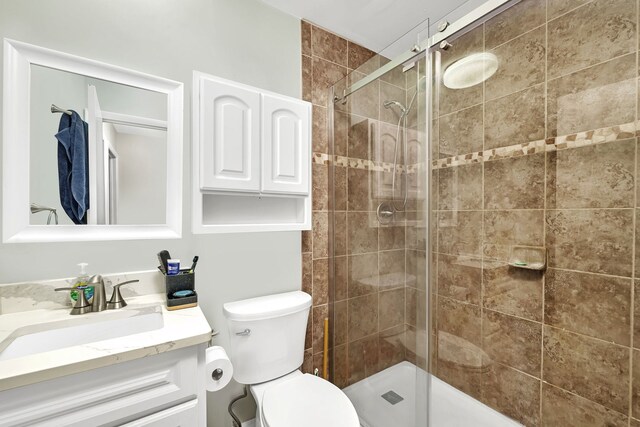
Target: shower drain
{"x": 392, "y": 397}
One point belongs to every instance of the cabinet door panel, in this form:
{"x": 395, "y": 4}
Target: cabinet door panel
{"x": 286, "y": 146}
{"x": 229, "y": 137}
{"x": 184, "y": 415}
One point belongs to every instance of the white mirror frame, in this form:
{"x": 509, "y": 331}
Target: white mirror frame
{"x": 18, "y": 58}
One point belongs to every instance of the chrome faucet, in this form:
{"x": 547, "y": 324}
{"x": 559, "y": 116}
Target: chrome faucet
{"x": 99, "y": 302}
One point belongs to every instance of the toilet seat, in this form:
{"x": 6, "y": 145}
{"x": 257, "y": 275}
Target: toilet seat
{"x": 309, "y": 401}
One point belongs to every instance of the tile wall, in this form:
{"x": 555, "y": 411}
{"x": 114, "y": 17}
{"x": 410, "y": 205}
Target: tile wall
{"x": 543, "y": 154}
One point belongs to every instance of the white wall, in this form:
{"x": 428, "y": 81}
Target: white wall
{"x": 243, "y": 40}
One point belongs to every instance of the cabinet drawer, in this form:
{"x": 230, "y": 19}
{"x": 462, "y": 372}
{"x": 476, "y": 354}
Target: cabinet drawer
{"x": 105, "y": 396}
{"x": 184, "y": 415}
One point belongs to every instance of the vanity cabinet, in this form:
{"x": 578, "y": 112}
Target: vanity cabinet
{"x": 162, "y": 390}
{"x": 252, "y": 158}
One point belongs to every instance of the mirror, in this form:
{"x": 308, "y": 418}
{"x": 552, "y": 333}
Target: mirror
{"x": 91, "y": 151}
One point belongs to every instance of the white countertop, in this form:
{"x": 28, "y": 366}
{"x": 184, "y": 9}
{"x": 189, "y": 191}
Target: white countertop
{"x": 181, "y": 328}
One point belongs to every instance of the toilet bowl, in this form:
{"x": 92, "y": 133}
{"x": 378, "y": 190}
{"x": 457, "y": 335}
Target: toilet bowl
{"x": 266, "y": 337}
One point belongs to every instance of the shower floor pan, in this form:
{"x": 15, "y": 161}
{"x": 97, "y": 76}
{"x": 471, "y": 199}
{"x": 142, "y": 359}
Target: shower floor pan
{"x": 387, "y": 399}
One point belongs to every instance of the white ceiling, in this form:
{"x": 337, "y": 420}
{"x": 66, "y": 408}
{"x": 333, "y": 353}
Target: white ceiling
{"x": 388, "y": 27}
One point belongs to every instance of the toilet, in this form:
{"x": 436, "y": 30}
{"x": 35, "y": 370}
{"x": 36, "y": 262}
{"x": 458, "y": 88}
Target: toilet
{"x": 266, "y": 337}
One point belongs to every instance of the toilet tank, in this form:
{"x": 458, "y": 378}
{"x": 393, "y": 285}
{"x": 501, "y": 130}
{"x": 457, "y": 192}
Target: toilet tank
{"x": 266, "y": 335}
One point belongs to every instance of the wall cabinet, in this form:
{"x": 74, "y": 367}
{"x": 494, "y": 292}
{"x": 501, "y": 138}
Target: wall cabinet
{"x": 252, "y": 158}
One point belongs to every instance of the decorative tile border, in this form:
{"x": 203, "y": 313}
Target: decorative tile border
{"x": 353, "y": 163}
{"x": 576, "y": 140}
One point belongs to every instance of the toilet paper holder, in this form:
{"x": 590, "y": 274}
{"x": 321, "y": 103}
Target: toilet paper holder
{"x": 217, "y": 374}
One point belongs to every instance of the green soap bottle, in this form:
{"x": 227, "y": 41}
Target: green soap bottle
{"x": 81, "y": 280}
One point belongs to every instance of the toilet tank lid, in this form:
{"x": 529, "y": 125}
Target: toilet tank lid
{"x": 268, "y": 306}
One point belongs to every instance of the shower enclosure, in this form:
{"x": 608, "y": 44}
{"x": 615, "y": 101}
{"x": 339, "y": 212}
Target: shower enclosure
{"x": 484, "y": 222}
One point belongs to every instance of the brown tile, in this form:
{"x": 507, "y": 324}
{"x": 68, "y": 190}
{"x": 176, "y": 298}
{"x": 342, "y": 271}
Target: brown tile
{"x": 362, "y": 232}
{"x": 305, "y": 34}
{"x": 391, "y": 237}
{"x": 363, "y": 316}
{"x": 390, "y": 92}
{"x": 636, "y": 314}
{"x": 361, "y": 136}
{"x": 363, "y": 274}
{"x": 469, "y": 381}
{"x": 590, "y": 304}
{"x": 325, "y": 74}
{"x": 522, "y": 62}
{"x": 319, "y": 130}
{"x": 460, "y": 187}
{"x": 340, "y": 233}
{"x": 341, "y": 323}
{"x": 513, "y": 291}
{"x": 600, "y": 96}
{"x": 460, "y": 278}
{"x": 358, "y": 184}
{"x": 512, "y": 341}
{"x": 460, "y": 132}
{"x": 307, "y": 273}
{"x": 308, "y": 337}
{"x": 512, "y": 393}
{"x": 391, "y": 346}
{"x": 598, "y": 241}
{"x": 392, "y": 268}
{"x": 634, "y": 423}
{"x": 341, "y": 278}
{"x": 363, "y": 358}
{"x": 307, "y": 81}
{"x": 524, "y": 16}
{"x": 319, "y": 314}
{"x": 458, "y": 319}
{"x": 320, "y": 182}
{"x": 561, "y": 408}
{"x": 391, "y": 308}
{"x": 460, "y": 233}
{"x": 416, "y": 269}
{"x": 598, "y": 176}
{"x": 328, "y": 46}
{"x": 340, "y": 188}
{"x": 366, "y": 101}
{"x": 306, "y": 241}
{"x": 599, "y": 31}
{"x": 340, "y": 133}
{"x": 341, "y": 366}
{"x": 320, "y": 234}
{"x": 416, "y": 308}
{"x": 635, "y": 391}
{"x": 504, "y": 229}
{"x": 320, "y": 281}
{"x": 456, "y": 99}
{"x": 307, "y": 364}
{"x": 358, "y": 55}
{"x": 515, "y": 183}
{"x": 556, "y": 8}
{"x": 594, "y": 369}
{"x": 515, "y": 118}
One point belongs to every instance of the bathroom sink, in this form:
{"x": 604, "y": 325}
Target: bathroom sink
{"x": 79, "y": 330}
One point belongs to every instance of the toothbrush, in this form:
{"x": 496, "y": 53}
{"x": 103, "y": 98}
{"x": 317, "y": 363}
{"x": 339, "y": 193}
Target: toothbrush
{"x": 193, "y": 266}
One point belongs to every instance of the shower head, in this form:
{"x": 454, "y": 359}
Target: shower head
{"x": 389, "y": 104}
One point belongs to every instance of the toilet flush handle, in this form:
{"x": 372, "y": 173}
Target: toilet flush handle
{"x": 244, "y": 333}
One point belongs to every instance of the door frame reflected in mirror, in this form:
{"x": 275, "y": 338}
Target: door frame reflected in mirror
{"x": 18, "y": 59}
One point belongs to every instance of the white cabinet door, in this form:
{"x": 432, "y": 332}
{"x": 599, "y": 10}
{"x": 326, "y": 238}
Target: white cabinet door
{"x": 286, "y": 145}
{"x": 229, "y": 136}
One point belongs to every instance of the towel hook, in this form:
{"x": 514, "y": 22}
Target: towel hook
{"x": 56, "y": 109}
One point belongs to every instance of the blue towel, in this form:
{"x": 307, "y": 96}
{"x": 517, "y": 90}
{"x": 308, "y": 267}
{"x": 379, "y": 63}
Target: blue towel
{"x": 73, "y": 166}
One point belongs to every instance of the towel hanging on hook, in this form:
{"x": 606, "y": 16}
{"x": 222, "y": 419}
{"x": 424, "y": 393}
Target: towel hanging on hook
{"x": 56, "y": 109}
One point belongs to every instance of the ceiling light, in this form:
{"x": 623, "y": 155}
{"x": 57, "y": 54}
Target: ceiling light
{"x": 470, "y": 70}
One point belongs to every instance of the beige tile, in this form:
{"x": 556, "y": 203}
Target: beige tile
{"x": 392, "y": 237}
{"x": 362, "y": 232}
{"x": 458, "y": 319}
{"x": 363, "y": 274}
{"x": 328, "y": 46}
{"x": 561, "y": 408}
{"x": 340, "y": 133}
{"x": 319, "y": 314}
{"x": 600, "y": 96}
{"x": 522, "y": 17}
{"x": 391, "y": 308}
{"x": 363, "y": 358}
{"x": 521, "y": 64}
{"x": 341, "y": 278}
{"x": 556, "y": 8}
{"x": 590, "y": 304}
{"x": 460, "y": 187}
{"x": 341, "y": 366}
{"x": 340, "y": 323}
{"x": 340, "y": 233}
{"x": 513, "y": 291}
{"x": 634, "y": 423}
{"x": 392, "y": 268}
{"x": 340, "y": 189}
{"x": 512, "y": 341}
{"x": 594, "y": 369}
{"x": 320, "y": 183}
{"x": 320, "y": 281}
{"x": 319, "y": 130}
{"x": 460, "y": 233}
{"x": 363, "y": 316}
{"x": 416, "y": 308}
{"x": 358, "y": 193}
{"x": 460, "y": 278}
{"x": 601, "y": 30}
{"x": 597, "y": 241}
{"x": 515, "y": 183}
{"x": 366, "y": 101}
{"x": 307, "y": 80}
{"x": 361, "y": 133}
{"x": 416, "y": 269}
{"x": 320, "y": 226}
{"x": 512, "y": 393}
{"x": 358, "y": 56}
{"x": 504, "y": 229}
{"x": 391, "y": 346}
{"x": 325, "y": 74}
{"x": 460, "y": 132}
{"x": 515, "y": 118}
{"x": 599, "y": 176}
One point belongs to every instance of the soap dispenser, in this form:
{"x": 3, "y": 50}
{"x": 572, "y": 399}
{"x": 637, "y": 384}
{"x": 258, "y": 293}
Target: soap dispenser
{"x": 81, "y": 280}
